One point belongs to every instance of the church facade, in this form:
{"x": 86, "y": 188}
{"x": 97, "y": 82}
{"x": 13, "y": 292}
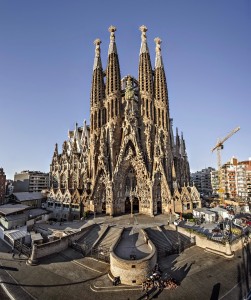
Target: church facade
{"x": 128, "y": 159}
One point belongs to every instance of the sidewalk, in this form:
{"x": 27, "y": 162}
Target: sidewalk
{"x": 104, "y": 284}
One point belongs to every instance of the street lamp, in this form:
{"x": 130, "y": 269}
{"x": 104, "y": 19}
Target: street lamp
{"x": 131, "y": 199}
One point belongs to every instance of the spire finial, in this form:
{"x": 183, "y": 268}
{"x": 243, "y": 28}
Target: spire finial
{"x": 112, "y": 46}
{"x": 97, "y": 43}
{"x": 97, "y": 60}
{"x": 143, "y": 47}
{"x": 157, "y": 41}
{"x": 143, "y": 30}
{"x": 158, "y": 59}
{"x": 112, "y": 29}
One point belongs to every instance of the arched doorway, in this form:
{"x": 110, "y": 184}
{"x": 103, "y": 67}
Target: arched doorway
{"x": 135, "y": 205}
{"x": 159, "y": 207}
{"x": 104, "y": 207}
{"x": 127, "y": 206}
{"x": 157, "y": 197}
{"x": 100, "y": 197}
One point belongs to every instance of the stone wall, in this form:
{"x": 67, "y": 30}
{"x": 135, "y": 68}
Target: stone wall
{"x": 133, "y": 272}
{"x": 56, "y": 246}
{"x": 211, "y": 246}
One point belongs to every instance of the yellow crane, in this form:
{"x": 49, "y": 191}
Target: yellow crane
{"x": 219, "y": 147}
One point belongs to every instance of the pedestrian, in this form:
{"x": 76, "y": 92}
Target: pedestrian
{"x": 13, "y": 252}
{"x": 147, "y": 295}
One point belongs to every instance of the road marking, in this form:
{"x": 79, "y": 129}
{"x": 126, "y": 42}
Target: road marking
{"x": 99, "y": 261}
{"x": 231, "y": 289}
{"x": 84, "y": 266}
{"x": 113, "y": 290}
{"x": 18, "y": 284}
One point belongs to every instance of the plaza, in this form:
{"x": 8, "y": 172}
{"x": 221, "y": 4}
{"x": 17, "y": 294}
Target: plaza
{"x": 69, "y": 275}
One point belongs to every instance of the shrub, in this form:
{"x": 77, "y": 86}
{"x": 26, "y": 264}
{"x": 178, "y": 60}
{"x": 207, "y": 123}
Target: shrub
{"x": 191, "y": 220}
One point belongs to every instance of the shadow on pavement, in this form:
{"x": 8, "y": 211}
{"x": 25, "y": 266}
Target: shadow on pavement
{"x": 50, "y": 285}
{"x": 8, "y": 268}
{"x": 244, "y": 271}
{"x": 215, "y": 292}
{"x": 179, "y": 273}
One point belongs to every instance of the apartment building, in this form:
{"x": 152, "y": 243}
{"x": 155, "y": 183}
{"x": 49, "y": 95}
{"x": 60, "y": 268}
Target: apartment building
{"x": 2, "y": 185}
{"x": 202, "y": 181}
{"x": 31, "y": 181}
{"x": 235, "y": 179}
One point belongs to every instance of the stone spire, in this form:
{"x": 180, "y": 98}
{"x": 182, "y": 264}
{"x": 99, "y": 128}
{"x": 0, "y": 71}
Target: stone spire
{"x": 76, "y": 131}
{"x": 84, "y": 131}
{"x": 177, "y": 144}
{"x": 143, "y": 47}
{"x": 182, "y": 146}
{"x": 145, "y": 68}
{"x": 112, "y": 45}
{"x": 160, "y": 88}
{"x": 158, "y": 57}
{"x": 56, "y": 151}
{"x": 98, "y": 87}
{"x": 97, "y": 60}
{"x": 171, "y": 134}
{"x": 113, "y": 69}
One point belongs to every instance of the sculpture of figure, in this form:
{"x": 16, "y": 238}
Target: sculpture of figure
{"x": 129, "y": 93}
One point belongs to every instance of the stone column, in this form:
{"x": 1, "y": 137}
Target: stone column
{"x": 228, "y": 250}
{"x": 151, "y": 201}
{"x": 33, "y": 261}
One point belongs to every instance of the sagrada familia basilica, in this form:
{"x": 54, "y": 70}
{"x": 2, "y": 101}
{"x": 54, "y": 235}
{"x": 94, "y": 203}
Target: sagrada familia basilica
{"x": 128, "y": 159}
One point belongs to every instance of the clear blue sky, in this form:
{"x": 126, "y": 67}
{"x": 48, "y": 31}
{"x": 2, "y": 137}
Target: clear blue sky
{"x": 46, "y": 58}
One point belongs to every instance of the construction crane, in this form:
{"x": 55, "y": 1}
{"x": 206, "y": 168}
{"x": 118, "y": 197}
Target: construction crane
{"x": 219, "y": 147}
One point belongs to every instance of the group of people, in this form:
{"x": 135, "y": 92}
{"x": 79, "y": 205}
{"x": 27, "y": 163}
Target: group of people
{"x": 14, "y": 252}
{"x": 155, "y": 281}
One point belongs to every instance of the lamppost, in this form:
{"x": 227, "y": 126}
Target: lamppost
{"x": 94, "y": 210}
{"x": 131, "y": 199}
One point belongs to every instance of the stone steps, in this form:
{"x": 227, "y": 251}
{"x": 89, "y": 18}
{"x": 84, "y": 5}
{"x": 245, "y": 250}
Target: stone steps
{"x": 175, "y": 237}
{"x": 90, "y": 237}
{"x": 158, "y": 238}
{"x": 109, "y": 237}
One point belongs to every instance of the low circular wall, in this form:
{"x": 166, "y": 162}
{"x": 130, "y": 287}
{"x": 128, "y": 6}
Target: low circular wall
{"x": 133, "y": 272}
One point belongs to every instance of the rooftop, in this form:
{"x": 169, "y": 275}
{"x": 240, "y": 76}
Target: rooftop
{"x": 8, "y": 209}
{"x": 24, "y": 196}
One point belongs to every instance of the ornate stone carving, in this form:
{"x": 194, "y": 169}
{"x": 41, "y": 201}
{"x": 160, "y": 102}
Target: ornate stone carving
{"x": 130, "y": 131}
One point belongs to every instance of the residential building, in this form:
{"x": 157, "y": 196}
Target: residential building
{"x": 235, "y": 180}
{"x": 12, "y": 215}
{"x": 2, "y": 186}
{"x": 32, "y": 199}
{"x": 202, "y": 181}
{"x": 243, "y": 179}
{"x": 9, "y": 187}
{"x": 215, "y": 182}
{"x": 31, "y": 181}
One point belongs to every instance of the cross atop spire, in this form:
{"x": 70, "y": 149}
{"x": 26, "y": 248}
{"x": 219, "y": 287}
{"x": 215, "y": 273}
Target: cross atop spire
{"x": 97, "y": 60}
{"x": 144, "y": 47}
{"x": 112, "y": 46}
{"x": 158, "y": 58}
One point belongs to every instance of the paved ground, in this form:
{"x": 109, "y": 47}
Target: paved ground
{"x": 132, "y": 243}
{"x": 68, "y": 275}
